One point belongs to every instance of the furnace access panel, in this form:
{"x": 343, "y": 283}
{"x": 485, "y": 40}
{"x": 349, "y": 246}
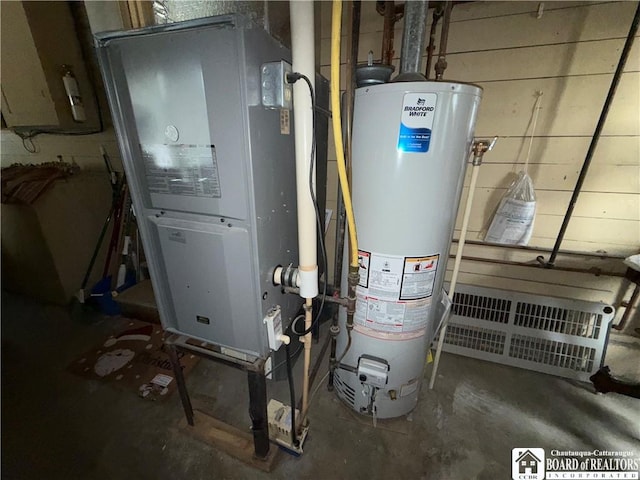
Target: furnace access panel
{"x": 211, "y": 173}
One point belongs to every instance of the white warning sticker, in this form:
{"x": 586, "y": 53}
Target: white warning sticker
{"x": 392, "y": 316}
{"x": 285, "y": 122}
{"x": 385, "y": 276}
{"x": 418, "y": 277}
{"x": 409, "y": 388}
{"x": 363, "y": 262}
{"x": 189, "y": 170}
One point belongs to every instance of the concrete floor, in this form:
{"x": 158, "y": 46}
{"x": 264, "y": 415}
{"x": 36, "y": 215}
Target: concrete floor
{"x": 59, "y": 426}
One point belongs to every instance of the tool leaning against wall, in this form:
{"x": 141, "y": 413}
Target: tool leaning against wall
{"x": 121, "y": 219}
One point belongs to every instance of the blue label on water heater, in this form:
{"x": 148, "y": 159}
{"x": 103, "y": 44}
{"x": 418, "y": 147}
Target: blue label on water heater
{"x": 418, "y": 111}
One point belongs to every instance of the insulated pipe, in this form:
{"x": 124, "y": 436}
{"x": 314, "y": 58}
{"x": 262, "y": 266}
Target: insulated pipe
{"x": 303, "y": 61}
{"x": 413, "y": 36}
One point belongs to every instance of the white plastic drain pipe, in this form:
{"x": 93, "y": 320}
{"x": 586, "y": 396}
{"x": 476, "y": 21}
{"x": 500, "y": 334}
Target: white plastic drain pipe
{"x": 456, "y": 269}
{"x": 480, "y": 147}
{"x": 303, "y": 60}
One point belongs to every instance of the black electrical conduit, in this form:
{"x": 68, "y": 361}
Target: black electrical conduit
{"x": 594, "y": 140}
{"x": 292, "y": 398}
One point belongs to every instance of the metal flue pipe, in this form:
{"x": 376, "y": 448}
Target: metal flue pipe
{"x": 413, "y": 36}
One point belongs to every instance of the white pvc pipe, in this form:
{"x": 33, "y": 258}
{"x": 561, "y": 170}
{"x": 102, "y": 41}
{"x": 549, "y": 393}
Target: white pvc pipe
{"x": 303, "y": 59}
{"x": 456, "y": 268}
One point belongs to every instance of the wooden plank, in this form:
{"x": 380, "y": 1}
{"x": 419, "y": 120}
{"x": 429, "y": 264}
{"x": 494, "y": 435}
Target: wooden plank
{"x": 589, "y": 22}
{"x": 84, "y": 150}
{"x": 620, "y": 206}
{"x": 480, "y": 10}
{"x": 601, "y": 283}
{"x": 529, "y": 285}
{"x": 600, "y": 178}
{"x": 141, "y": 13}
{"x": 66, "y": 145}
{"x": 598, "y": 230}
{"x": 616, "y": 232}
{"x": 371, "y": 21}
{"x": 571, "y": 106}
{"x": 224, "y": 437}
{"x": 550, "y": 278}
{"x": 580, "y": 244}
{"x": 529, "y": 255}
{"x": 26, "y": 95}
{"x": 611, "y": 150}
{"x": 560, "y": 60}
{"x": 595, "y": 21}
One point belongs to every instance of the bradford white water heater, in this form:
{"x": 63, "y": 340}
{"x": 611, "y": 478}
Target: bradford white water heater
{"x": 411, "y": 143}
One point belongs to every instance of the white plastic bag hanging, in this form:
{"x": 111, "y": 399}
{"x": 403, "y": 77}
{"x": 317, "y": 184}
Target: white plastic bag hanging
{"x": 513, "y": 221}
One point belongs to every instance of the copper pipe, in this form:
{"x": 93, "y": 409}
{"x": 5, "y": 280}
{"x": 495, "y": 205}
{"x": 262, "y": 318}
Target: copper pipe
{"x": 603, "y": 256}
{"x": 391, "y": 13}
{"x": 592, "y": 271}
{"x": 630, "y": 305}
{"x": 437, "y": 15}
{"x": 441, "y": 64}
{"x": 388, "y": 32}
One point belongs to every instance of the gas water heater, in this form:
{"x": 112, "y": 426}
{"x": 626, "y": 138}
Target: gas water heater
{"x": 411, "y": 143}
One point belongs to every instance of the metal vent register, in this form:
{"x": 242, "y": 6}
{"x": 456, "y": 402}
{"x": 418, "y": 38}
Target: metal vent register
{"x": 562, "y": 337}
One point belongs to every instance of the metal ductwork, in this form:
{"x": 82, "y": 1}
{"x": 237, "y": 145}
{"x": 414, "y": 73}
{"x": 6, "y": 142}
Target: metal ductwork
{"x": 413, "y": 40}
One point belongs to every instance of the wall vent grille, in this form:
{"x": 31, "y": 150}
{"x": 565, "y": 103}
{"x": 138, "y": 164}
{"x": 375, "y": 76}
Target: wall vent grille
{"x": 476, "y": 338}
{"x": 483, "y": 307}
{"x": 563, "y": 337}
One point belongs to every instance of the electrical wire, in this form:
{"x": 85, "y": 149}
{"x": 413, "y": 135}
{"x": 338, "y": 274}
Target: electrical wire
{"x": 27, "y": 143}
{"x": 284, "y": 361}
{"x": 292, "y": 398}
{"x": 29, "y": 135}
{"x": 346, "y": 348}
{"x": 292, "y": 78}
